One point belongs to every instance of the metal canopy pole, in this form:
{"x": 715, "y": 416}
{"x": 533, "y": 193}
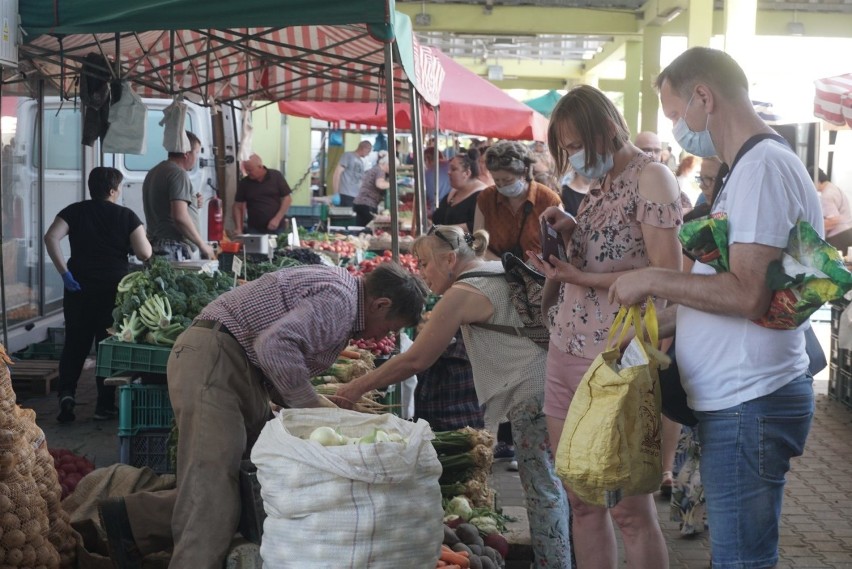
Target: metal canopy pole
{"x": 417, "y": 148}
{"x": 394, "y": 192}
{"x": 437, "y": 161}
{"x": 2, "y": 250}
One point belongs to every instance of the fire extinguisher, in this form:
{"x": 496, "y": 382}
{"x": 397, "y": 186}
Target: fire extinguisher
{"x": 215, "y": 217}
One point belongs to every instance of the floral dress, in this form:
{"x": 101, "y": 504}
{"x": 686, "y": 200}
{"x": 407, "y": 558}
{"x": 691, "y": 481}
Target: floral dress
{"x": 608, "y": 238}
{"x": 687, "y": 505}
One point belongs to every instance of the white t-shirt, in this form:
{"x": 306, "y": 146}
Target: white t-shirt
{"x": 724, "y": 360}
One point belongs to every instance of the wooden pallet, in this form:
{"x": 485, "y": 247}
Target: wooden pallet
{"x": 33, "y": 377}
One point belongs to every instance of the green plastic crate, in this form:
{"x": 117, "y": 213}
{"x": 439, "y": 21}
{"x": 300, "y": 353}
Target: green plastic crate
{"x": 116, "y": 358}
{"x": 46, "y": 350}
{"x": 143, "y": 407}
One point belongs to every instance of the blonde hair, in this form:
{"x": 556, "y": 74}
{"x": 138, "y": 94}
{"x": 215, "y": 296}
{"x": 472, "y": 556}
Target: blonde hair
{"x": 446, "y": 238}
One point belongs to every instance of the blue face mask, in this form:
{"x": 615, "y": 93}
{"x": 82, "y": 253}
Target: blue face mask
{"x": 599, "y": 170}
{"x": 698, "y": 143}
{"x": 513, "y": 190}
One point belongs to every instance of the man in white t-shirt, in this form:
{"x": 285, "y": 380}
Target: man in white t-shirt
{"x": 749, "y": 385}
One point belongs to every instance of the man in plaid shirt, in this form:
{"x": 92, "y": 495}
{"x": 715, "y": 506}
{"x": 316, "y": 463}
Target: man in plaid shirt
{"x": 263, "y": 340}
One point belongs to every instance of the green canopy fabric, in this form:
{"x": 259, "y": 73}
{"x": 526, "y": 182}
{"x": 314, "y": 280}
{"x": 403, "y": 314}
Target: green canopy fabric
{"x": 545, "y": 103}
{"x": 108, "y": 16}
{"x": 218, "y": 51}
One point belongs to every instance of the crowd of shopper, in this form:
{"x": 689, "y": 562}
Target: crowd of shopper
{"x": 617, "y": 206}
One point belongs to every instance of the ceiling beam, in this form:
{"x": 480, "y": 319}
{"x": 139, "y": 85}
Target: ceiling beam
{"x": 774, "y": 23}
{"x": 552, "y": 70}
{"x": 613, "y": 51}
{"x": 530, "y": 83}
{"x": 472, "y": 19}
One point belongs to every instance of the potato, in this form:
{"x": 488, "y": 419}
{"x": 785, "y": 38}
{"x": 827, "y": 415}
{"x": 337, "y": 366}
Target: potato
{"x": 469, "y": 534}
{"x": 459, "y": 547}
{"x": 14, "y": 557}
{"x": 476, "y": 549}
{"x": 29, "y": 556}
{"x": 14, "y": 538}
{"x": 450, "y": 537}
{"x": 10, "y": 521}
{"x": 475, "y": 562}
{"x": 487, "y": 563}
{"x": 5, "y": 504}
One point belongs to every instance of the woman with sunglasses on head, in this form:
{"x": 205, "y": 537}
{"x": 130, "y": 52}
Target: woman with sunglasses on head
{"x": 628, "y": 220}
{"x": 508, "y": 370}
{"x": 509, "y": 210}
{"x": 459, "y": 206}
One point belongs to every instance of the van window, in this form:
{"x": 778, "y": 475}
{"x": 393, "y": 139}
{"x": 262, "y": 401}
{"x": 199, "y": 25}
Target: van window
{"x": 154, "y": 151}
{"x": 60, "y": 128}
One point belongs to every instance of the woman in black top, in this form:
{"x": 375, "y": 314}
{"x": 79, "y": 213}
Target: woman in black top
{"x": 100, "y": 232}
{"x": 459, "y": 206}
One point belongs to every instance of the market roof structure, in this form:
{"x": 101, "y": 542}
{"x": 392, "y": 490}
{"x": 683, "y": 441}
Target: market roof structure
{"x": 469, "y": 104}
{"x": 219, "y": 51}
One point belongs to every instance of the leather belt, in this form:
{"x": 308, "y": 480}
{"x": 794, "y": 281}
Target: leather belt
{"x": 214, "y": 325}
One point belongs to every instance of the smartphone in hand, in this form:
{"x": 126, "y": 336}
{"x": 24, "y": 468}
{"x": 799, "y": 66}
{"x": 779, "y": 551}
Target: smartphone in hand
{"x": 551, "y": 243}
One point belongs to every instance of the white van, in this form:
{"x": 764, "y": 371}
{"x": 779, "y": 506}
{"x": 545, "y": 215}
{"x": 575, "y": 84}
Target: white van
{"x": 66, "y": 166}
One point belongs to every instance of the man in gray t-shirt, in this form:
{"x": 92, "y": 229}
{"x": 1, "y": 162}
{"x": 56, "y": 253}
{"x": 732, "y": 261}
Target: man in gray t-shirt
{"x": 171, "y": 212}
{"x": 347, "y": 176}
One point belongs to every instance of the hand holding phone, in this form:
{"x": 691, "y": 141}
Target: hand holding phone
{"x": 551, "y": 242}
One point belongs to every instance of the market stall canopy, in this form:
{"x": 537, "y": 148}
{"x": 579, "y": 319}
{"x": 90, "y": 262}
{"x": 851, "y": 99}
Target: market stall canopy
{"x": 217, "y": 51}
{"x": 833, "y": 100}
{"x": 545, "y": 103}
{"x": 469, "y": 104}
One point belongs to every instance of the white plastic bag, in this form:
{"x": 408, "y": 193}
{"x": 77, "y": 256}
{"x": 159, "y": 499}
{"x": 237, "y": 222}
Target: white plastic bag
{"x": 128, "y": 119}
{"x": 358, "y": 506}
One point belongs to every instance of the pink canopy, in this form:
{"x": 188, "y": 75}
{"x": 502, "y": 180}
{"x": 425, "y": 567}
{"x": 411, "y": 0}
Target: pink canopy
{"x": 468, "y": 104}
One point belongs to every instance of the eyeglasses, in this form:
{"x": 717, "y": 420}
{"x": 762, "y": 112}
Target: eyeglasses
{"x": 434, "y": 231}
{"x": 706, "y": 180}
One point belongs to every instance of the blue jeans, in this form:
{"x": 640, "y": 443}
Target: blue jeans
{"x": 745, "y": 456}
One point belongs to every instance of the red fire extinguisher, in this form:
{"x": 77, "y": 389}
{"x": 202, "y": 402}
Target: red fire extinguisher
{"x": 215, "y": 219}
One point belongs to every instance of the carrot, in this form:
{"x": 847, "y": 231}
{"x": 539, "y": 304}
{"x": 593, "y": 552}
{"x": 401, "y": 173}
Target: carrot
{"x": 352, "y": 355}
{"x": 453, "y": 558}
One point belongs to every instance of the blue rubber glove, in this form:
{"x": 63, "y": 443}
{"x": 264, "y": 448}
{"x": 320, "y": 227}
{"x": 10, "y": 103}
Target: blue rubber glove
{"x": 70, "y": 282}
{"x": 335, "y": 199}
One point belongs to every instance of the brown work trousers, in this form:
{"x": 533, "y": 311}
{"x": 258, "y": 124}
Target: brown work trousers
{"x": 220, "y": 407}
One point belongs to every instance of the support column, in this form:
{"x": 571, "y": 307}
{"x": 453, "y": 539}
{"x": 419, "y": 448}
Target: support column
{"x": 740, "y": 23}
{"x": 651, "y": 37}
{"x": 700, "y": 23}
{"x": 632, "y": 83}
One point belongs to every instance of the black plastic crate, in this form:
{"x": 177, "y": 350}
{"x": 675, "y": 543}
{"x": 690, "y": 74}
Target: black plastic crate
{"x": 147, "y": 448}
{"x": 252, "y": 513}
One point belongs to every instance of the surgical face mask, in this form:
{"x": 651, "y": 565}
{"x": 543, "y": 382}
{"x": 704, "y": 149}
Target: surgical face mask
{"x": 602, "y": 165}
{"x": 513, "y": 190}
{"x": 697, "y": 143}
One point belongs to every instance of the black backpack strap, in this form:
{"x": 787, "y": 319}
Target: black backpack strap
{"x": 725, "y": 172}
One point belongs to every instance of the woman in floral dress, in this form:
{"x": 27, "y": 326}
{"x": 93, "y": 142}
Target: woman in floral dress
{"x": 628, "y": 220}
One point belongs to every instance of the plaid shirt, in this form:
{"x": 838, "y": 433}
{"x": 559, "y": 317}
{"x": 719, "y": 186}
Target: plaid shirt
{"x": 293, "y": 324}
{"x": 445, "y": 395}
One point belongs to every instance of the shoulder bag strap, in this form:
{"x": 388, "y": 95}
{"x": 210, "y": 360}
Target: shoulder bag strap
{"x": 725, "y": 171}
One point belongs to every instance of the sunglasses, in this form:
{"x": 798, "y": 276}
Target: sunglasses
{"x": 434, "y": 231}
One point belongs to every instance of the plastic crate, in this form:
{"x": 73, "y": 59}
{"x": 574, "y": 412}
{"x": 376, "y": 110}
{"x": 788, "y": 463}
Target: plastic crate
{"x": 146, "y": 448}
{"x": 116, "y": 358}
{"x": 252, "y": 513}
{"x": 42, "y": 351}
{"x": 56, "y": 336}
{"x": 142, "y": 408}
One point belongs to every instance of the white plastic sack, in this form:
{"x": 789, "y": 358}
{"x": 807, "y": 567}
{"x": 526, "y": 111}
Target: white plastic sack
{"x": 359, "y": 506}
{"x": 174, "y": 132}
{"x": 128, "y": 119}
{"x": 407, "y": 386}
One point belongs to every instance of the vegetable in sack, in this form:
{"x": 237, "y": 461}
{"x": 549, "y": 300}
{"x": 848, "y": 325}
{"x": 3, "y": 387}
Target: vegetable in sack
{"x": 328, "y": 437}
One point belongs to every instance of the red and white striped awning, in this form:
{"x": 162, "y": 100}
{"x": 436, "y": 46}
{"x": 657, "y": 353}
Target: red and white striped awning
{"x": 833, "y": 99}
{"x": 305, "y": 63}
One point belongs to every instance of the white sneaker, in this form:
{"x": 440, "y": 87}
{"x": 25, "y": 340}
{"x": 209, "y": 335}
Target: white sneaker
{"x": 513, "y": 466}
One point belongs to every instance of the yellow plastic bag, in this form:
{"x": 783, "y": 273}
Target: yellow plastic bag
{"x": 610, "y": 444}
